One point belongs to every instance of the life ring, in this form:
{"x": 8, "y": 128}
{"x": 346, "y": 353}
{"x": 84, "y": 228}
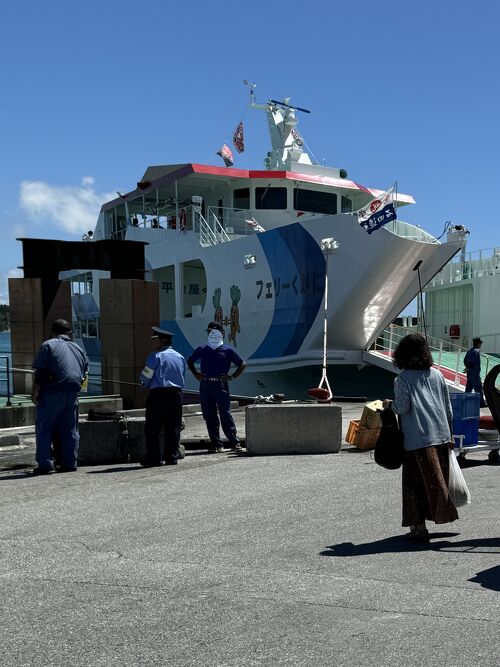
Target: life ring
{"x": 182, "y": 219}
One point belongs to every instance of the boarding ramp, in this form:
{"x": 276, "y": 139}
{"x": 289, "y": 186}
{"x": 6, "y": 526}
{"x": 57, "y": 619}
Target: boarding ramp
{"x": 448, "y": 357}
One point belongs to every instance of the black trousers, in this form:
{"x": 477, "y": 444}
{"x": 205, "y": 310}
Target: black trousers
{"x": 163, "y": 410}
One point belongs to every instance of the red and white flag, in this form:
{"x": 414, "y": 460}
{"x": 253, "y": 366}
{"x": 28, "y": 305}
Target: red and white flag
{"x": 238, "y": 140}
{"x": 297, "y": 138}
{"x": 226, "y": 154}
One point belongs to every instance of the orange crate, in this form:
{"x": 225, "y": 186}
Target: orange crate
{"x": 352, "y": 431}
{"x": 360, "y": 436}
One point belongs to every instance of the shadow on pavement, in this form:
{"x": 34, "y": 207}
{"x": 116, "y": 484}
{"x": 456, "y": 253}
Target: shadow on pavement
{"x": 488, "y": 578}
{"x": 18, "y": 475}
{"x": 121, "y": 468}
{"x": 472, "y": 463}
{"x": 399, "y": 543}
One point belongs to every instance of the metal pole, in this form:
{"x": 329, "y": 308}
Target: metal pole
{"x": 417, "y": 269}
{"x": 9, "y": 403}
{"x": 177, "y": 225}
{"x": 325, "y": 321}
{"x": 7, "y": 362}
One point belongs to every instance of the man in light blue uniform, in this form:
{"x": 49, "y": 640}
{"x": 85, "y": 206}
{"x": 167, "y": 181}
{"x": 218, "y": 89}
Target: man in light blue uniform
{"x": 60, "y": 368}
{"x": 215, "y": 362}
{"x": 472, "y": 363}
{"x": 164, "y": 375}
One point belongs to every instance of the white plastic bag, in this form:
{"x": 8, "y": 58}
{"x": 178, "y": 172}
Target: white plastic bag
{"x": 459, "y": 492}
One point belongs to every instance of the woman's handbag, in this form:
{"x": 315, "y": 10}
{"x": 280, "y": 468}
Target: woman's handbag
{"x": 389, "y": 448}
{"x": 459, "y": 492}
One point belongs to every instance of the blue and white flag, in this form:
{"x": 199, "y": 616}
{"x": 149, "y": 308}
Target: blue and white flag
{"x": 378, "y": 212}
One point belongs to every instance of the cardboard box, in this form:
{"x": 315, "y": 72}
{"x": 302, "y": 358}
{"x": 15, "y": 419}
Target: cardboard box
{"x": 371, "y": 418}
{"x": 360, "y": 436}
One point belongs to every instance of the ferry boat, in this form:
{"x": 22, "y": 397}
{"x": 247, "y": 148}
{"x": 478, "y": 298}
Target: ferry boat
{"x": 251, "y": 249}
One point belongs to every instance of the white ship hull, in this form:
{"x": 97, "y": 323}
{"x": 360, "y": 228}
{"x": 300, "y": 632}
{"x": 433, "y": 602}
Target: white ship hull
{"x": 281, "y": 308}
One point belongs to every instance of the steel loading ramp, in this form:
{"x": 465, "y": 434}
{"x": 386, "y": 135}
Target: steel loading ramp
{"x": 448, "y": 357}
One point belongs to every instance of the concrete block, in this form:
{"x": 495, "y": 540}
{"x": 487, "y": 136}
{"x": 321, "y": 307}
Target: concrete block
{"x": 87, "y": 403}
{"x": 293, "y": 428}
{"x": 111, "y": 442}
{"x": 25, "y": 414}
{"x": 9, "y": 440}
{"x": 17, "y": 415}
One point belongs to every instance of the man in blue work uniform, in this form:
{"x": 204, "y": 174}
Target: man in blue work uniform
{"x": 472, "y": 363}
{"x": 60, "y": 368}
{"x": 164, "y": 375}
{"x": 215, "y": 362}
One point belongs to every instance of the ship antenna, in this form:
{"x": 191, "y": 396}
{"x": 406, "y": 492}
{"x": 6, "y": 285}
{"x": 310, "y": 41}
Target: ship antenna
{"x": 251, "y": 86}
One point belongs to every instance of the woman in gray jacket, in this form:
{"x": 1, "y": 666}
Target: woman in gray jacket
{"x": 422, "y": 400}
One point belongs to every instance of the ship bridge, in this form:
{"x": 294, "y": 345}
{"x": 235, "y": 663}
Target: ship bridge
{"x": 221, "y": 203}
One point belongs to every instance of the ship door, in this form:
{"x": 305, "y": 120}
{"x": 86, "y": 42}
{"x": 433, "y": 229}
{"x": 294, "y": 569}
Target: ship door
{"x": 165, "y": 277}
{"x": 220, "y": 211}
{"x": 194, "y": 292}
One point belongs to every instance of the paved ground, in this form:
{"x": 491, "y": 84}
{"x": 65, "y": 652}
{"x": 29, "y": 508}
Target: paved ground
{"x": 232, "y": 560}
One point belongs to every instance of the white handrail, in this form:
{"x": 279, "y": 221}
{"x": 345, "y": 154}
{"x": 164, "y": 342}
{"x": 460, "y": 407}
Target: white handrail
{"x": 390, "y": 337}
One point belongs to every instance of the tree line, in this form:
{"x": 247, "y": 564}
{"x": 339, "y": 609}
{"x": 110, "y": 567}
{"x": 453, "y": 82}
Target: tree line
{"x": 4, "y": 317}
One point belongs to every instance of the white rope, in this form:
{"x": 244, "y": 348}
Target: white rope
{"x": 324, "y": 377}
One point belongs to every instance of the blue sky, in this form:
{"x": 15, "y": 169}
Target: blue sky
{"x": 95, "y": 92}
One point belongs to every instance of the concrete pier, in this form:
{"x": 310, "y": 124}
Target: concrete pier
{"x": 236, "y": 561}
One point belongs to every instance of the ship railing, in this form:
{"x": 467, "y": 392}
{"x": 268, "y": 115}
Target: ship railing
{"x": 8, "y": 378}
{"x": 210, "y": 231}
{"x": 477, "y": 264}
{"x": 448, "y": 357}
{"x": 409, "y": 231}
{"x": 239, "y": 221}
{"x": 178, "y": 218}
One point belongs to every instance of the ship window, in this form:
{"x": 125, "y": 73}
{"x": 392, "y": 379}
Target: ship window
{"x": 270, "y": 198}
{"x": 345, "y": 205}
{"x": 241, "y": 198}
{"x": 314, "y": 201}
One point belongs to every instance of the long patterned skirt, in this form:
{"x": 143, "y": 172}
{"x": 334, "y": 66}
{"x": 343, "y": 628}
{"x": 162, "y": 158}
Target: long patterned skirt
{"x": 425, "y": 486}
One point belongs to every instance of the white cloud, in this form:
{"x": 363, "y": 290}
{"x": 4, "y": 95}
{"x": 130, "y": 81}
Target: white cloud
{"x": 4, "y": 287}
{"x": 71, "y": 208}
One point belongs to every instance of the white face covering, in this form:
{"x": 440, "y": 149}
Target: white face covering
{"x": 215, "y": 339}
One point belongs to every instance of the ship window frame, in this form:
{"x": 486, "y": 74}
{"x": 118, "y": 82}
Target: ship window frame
{"x": 301, "y": 203}
{"x": 262, "y": 200}
{"x": 345, "y": 204}
{"x": 244, "y": 203}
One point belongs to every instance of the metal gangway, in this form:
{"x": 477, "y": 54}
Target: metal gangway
{"x": 448, "y": 357}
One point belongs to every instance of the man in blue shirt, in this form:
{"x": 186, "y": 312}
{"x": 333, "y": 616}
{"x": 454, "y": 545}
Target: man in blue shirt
{"x": 472, "y": 363}
{"x": 164, "y": 374}
{"x": 215, "y": 360}
{"x": 60, "y": 368}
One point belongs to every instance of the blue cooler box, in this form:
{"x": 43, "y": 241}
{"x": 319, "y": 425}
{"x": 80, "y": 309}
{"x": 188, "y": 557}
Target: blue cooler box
{"x": 466, "y": 411}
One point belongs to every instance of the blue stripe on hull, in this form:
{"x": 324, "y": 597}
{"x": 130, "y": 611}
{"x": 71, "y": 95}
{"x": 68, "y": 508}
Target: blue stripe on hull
{"x": 298, "y": 270}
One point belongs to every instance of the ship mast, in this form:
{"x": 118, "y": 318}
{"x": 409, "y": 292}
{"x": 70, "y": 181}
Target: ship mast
{"x": 287, "y": 146}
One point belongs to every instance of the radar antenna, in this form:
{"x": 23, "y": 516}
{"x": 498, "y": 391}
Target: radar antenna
{"x": 251, "y": 86}
{"x": 289, "y": 106}
{"x": 286, "y": 142}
